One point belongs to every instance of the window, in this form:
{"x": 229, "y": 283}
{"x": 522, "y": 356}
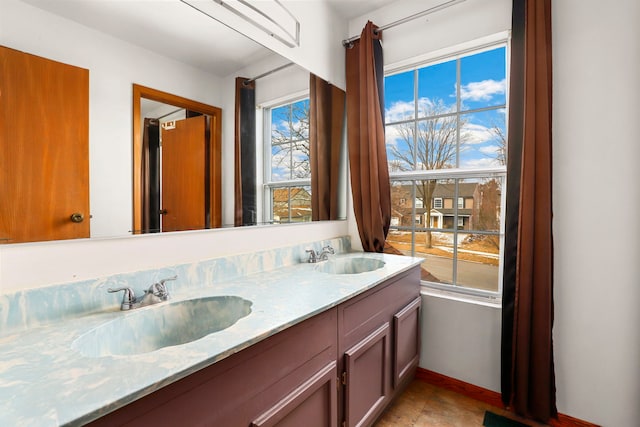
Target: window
{"x": 445, "y": 128}
{"x": 287, "y": 170}
{"x": 419, "y": 204}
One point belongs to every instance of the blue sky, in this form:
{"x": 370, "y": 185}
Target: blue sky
{"x": 482, "y": 84}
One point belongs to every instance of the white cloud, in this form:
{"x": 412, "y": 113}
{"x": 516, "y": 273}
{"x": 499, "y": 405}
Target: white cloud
{"x": 473, "y": 133}
{"x": 483, "y": 90}
{"x": 399, "y": 110}
{"x": 480, "y": 163}
{"x": 490, "y": 150}
{"x": 404, "y": 110}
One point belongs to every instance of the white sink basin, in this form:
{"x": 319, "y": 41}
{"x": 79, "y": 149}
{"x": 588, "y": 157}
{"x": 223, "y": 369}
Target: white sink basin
{"x": 154, "y": 327}
{"x": 350, "y": 265}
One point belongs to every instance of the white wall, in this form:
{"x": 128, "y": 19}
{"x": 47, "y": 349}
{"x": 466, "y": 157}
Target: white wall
{"x": 114, "y": 66}
{"x": 461, "y": 340}
{"x": 596, "y": 96}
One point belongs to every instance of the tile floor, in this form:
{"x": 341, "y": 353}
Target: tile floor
{"x": 425, "y": 405}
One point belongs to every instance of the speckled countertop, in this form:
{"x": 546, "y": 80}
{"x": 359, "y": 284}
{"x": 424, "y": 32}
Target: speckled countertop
{"x": 44, "y": 381}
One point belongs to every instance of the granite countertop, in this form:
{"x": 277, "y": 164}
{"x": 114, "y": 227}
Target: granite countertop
{"x": 44, "y": 381}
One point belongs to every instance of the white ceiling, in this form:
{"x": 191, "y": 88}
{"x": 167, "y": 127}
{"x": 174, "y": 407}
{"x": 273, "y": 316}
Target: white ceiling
{"x": 354, "y": 8}
{"x": 176, "y": 30}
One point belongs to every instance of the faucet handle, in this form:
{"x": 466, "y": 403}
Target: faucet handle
{"x": 128, "y": 298}
{"x": 329, "y": 249}
{"x": 167, "y": 279}
{"x": 312, "y": 256}
{"x": 159, "y": 289}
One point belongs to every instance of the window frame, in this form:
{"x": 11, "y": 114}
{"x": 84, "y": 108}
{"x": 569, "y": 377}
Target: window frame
{"x": 457, "y": 52}
{"x": 267, "y": 184}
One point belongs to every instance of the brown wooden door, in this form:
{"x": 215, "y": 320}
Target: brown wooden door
{"x": 44, "y": 148}
{"x": 183, "y": 175}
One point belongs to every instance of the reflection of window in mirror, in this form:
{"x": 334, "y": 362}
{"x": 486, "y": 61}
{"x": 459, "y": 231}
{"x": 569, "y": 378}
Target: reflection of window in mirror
{"x": 287, "y": 186}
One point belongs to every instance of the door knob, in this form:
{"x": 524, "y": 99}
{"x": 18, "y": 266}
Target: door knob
{"x": 163, "y": 212}
{"x": 77, "y": 217}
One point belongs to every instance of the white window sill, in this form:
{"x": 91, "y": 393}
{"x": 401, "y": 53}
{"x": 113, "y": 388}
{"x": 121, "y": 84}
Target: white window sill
{"x": 484, "y": 300}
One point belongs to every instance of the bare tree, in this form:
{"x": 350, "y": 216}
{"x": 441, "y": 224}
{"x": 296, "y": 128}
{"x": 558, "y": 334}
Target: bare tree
{"x": 426, "y": 145}
{"x": 501, "y": 153}
{"x": 290, "y": 141}
{"x": 487, "y": 210}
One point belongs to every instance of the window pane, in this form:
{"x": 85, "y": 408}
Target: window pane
{"x": 300, "y": 119}
{"x": 478, "y": 261}
{"x": 281, "y": 162}
{"x": 401, "y": 205}
{"x": 300, "y": 166}
{"x": 483, "y": 139}
{"x": 440, "y": 215}
{"x": 483, "y": 79}
{"x": 280, "y": 199}
{"x": 400, "y": 147}
{"x": 398, "y": 242}
{"x": 280, "y": 130}
{"x": 291, "y": 204}
{"x": 398, "y": 97}
{"x": 437, "y": 250}
{"x": 300, "y": 204}
{"x": 485, "y": 210}
{"x": 437, "y": 89}
{"x": 289, "y": 141}
{"x": 436, "y": 143}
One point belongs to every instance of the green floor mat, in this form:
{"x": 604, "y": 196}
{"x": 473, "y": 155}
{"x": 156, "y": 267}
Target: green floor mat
{"x": 495, "y": 420}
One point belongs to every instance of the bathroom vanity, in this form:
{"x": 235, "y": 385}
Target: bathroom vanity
{"x": 324, "y": 344}
{"x": 345, "y": 363}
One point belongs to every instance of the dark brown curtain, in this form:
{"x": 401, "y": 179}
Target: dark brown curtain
{"x": 528, "y": 380}
{"x": 326, "y": 123}
{"x": 245, "y": 153}
{"x": 150, "y": 176}
{"x": 367, "y": 153}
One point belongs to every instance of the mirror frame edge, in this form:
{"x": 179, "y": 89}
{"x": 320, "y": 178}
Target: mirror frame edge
{"x": 215, "y": 157}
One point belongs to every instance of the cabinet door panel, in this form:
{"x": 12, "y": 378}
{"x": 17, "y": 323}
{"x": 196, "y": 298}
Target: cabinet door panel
{"x": 406, "y": 325}
{"x": 367, "y": 367}
{"x": 313, "y": 403}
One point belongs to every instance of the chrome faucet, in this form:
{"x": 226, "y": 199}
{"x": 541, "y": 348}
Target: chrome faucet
{"x": 156, "y": 293}
{"x": 320, "y": 256}
{"x": 128, "y": 299}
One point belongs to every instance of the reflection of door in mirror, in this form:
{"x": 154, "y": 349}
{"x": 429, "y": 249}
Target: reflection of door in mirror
{"x": 184, "y": 175}
{"x": 177, "y": 162}
{"x": 44, "y": 149}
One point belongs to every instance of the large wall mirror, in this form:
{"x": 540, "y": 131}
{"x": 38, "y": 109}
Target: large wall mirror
{"x": 190, "y": 56}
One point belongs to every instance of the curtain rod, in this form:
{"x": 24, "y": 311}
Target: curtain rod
{"x": 282, "y": 67}
{"x": 347, "y": 42}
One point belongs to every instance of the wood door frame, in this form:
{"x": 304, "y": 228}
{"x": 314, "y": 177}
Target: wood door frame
{"x": 215, "y": 158}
